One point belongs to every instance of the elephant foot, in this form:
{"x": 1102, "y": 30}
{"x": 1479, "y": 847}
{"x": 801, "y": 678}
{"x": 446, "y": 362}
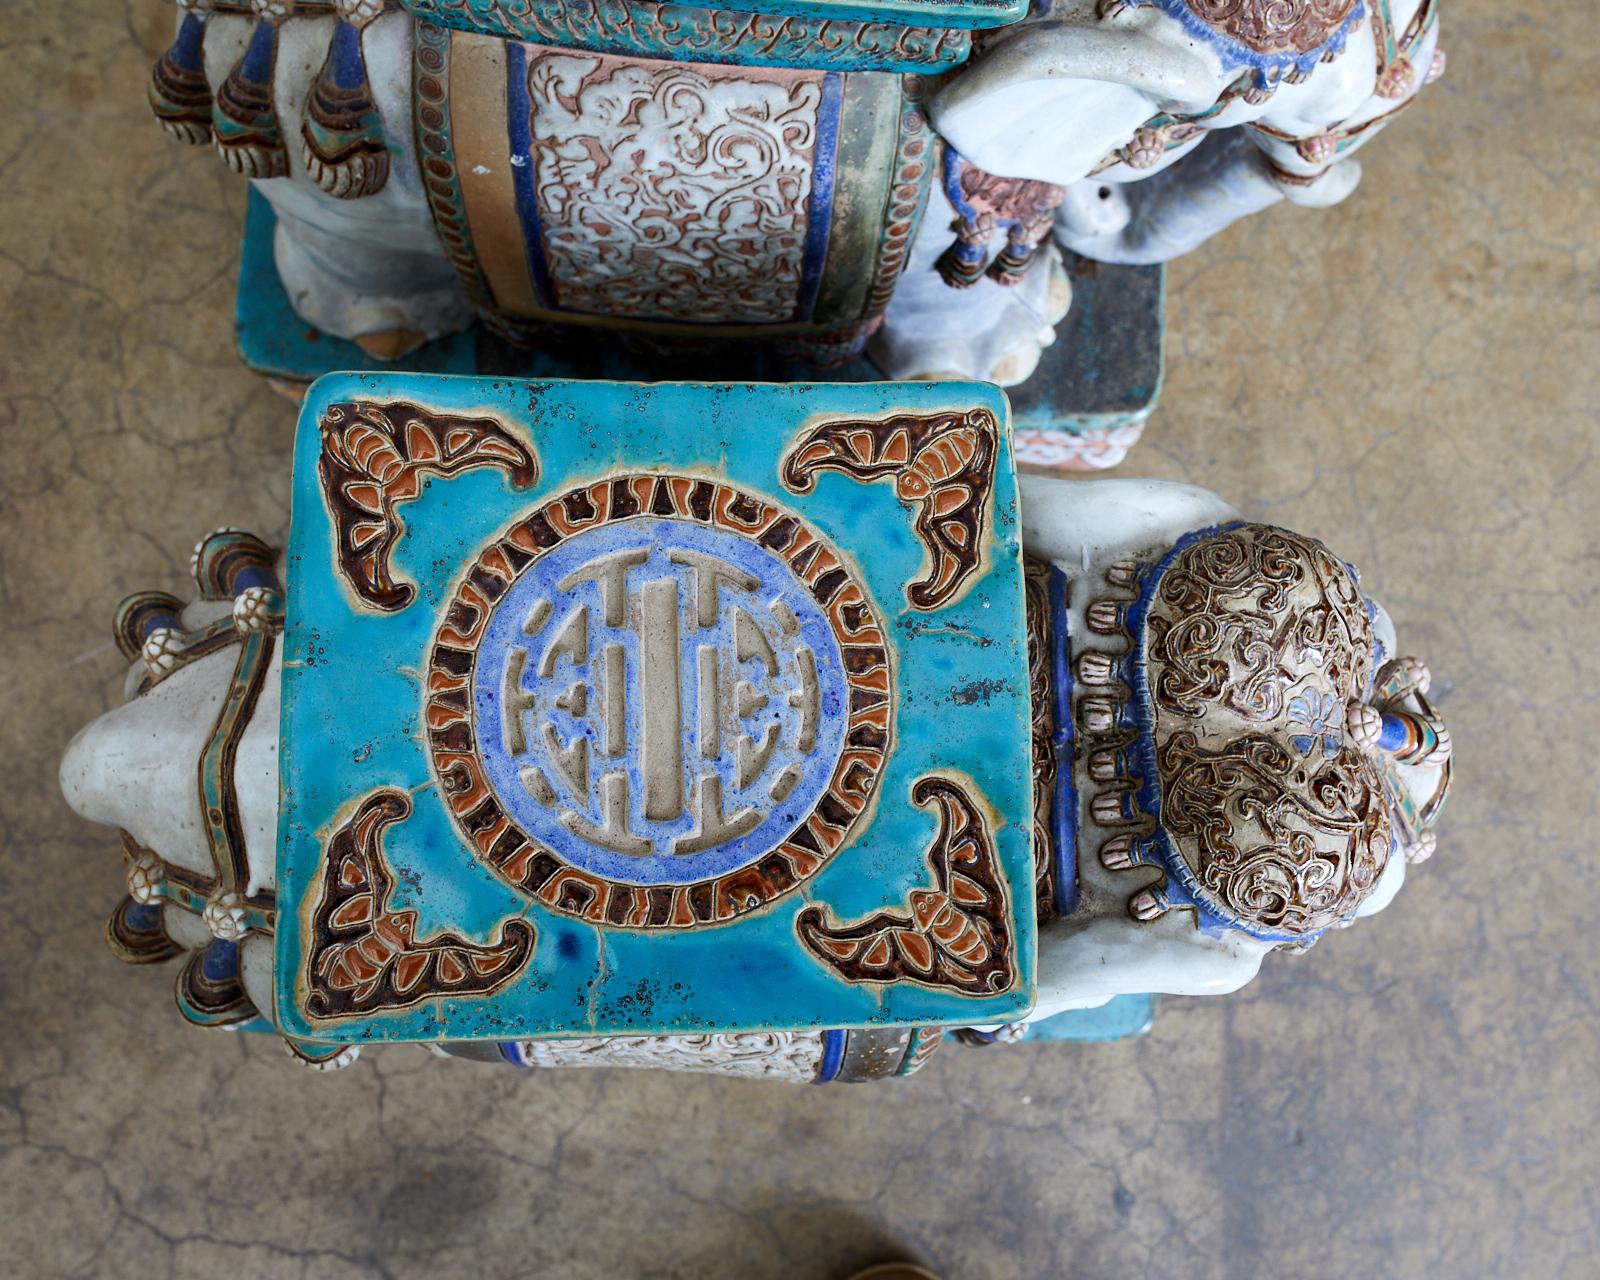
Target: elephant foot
{"x": 1321, "y": 190}
{"x": 988, "y": 332}
{"x": 390, "y": 344}
{"x": 388, "y": 301}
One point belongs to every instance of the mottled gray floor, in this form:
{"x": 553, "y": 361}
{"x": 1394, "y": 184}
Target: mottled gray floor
{"x": 1411, "y": 377}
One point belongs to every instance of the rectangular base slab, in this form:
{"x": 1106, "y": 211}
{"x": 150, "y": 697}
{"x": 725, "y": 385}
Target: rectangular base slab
{"x": 1120, "y": 1018}
{"x": 1082, "y": 409}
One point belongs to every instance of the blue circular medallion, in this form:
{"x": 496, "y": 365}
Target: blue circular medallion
{"x": 658, "y": 702}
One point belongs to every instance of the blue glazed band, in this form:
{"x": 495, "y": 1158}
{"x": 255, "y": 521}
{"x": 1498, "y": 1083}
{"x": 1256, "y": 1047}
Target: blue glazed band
{"x": 254, "y": 576}
{"x": 1394, "y": 734}
{"x": 261, "y": 55}
{"x": 221, "y": 960}
{"x": 1064, "y": 813}
{"x": 525, "y": 172}
{"x": 832, "y": 1057}
{"x": 819, "y": 208}
{"x": 344, "y": 55}
{"x": 186, "y": 50}
{"x": 143, "y": 917}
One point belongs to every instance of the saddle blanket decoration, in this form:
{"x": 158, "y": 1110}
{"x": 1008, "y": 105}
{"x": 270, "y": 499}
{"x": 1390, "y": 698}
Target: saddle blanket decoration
{"x": 668, "y": 197}
{"x": 616, "y": 709}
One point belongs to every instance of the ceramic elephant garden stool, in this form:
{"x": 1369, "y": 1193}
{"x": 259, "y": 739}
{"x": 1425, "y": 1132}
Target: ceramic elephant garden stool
{"x": 759, "y": 730}
{"x": 811, "y": 174}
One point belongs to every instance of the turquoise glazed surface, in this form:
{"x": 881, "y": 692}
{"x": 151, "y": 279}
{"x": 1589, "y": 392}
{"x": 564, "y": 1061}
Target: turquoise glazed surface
{"x": 393, "y": 926}
{"x": 804, "y": 38}
{"x": 498, "y": 17}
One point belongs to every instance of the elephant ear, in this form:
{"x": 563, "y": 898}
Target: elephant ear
{"x": 1005, "y": 111}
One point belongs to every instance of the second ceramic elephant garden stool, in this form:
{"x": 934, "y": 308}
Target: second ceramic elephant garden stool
{"x": 730, "y": 727}
{"x": 798, "y": 176}
{"x": 621, "y": 189}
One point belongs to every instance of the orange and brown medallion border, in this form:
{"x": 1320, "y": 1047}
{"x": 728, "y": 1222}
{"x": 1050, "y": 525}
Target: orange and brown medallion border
{"x": 532, "y": 867}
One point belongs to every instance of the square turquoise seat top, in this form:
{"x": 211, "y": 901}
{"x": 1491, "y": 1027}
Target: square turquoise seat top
{"x": 613, "y": 708}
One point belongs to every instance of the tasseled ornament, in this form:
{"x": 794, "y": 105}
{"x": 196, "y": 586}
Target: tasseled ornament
{"x": 245, "y": 118}
{"x": 985, "y": 203}
{"x": 343, "y": 148}
{"x": 1320, "y": 148}
{"x": 961, "y": 265}
{"x": 179, "y": 94}
{"x": 1012, "y": 262}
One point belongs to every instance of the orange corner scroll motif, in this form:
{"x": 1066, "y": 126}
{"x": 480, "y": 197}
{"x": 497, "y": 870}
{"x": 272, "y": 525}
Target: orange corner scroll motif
{"x": 955, "y": 935}
{"x": 363, "y": 957}
{"x": 943, "y": 467}
{"x": 374, "y": 457}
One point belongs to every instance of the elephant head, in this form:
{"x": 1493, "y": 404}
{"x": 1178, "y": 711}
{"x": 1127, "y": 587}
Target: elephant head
{"x": 1249, "y": 762}
{"x": 1101, "y": 94}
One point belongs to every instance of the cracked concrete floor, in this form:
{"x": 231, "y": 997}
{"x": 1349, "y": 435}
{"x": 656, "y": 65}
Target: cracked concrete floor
{"x": 1411, "y": 377}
